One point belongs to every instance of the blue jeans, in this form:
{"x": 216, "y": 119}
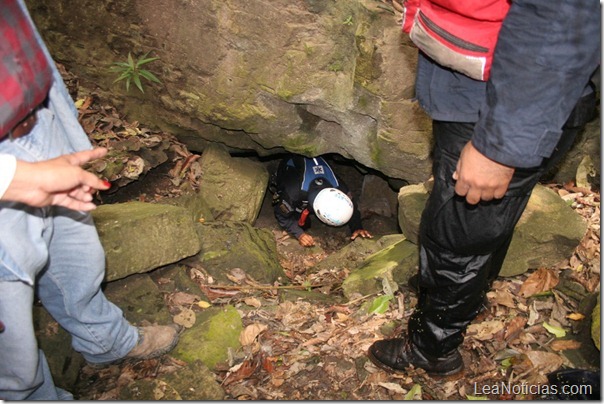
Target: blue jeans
{"x": 55, "y": 253}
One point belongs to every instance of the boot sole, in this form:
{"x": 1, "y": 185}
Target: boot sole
{"x": 385, "y": 367}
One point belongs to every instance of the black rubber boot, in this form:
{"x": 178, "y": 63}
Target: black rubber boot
{"x": 396, "y": 354}
{"x": 413, "y": 284}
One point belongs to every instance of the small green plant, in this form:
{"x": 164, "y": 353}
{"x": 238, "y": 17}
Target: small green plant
{"x": 348, "y": 21}
{"x": 131, "y": 71}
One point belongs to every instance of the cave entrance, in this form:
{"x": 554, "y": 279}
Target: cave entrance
{"x": 375, "y": 194}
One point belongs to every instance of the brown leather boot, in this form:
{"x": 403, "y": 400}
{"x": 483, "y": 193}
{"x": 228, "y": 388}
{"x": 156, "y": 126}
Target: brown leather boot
{"x": 396, "y": 354}
{"x": 154, "y": 341}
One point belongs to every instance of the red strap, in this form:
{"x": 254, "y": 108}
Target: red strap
{"x": 303, "y": 217}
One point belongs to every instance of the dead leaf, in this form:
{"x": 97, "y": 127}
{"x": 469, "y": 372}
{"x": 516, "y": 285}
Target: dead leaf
{"x": 186, "y": 318}
{"x": 564, "y": 344}
{"x": 161, "y": 388}
{"x": 242, "y": 371}
{"x": 267, "y": 364}
{"x": 215, "y": 293}
{"x": 575, "y": 316}
{"x": 183, "y": 299}
{"x": 545, "y": 362}
{"x": 134, "y": 168}
{"x": 394, "y": 387}
{"x": 202, "y": 304}
{"x": 237, "y": 275}
{"x": 514, "y": 327}
{"x": 277, "y": 381}
{"x": 504, "y": 298}
{"x": 541, "y": 280}
{"x": 485, "y": 330}
{"x": 249, "y": 334}
{"x": 252, "y": 301}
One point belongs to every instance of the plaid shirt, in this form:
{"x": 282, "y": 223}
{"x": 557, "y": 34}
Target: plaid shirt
{"x": 25, "y": 73}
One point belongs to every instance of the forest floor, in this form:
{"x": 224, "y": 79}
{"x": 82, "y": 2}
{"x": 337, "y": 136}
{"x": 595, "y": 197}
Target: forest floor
{"x": 315, "y": 349}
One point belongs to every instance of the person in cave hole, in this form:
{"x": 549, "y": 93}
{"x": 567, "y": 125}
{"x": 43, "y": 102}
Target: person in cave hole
{"x": 303, "y": 186}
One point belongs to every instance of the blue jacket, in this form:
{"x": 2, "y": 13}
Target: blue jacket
{"x": 545, "y": 55}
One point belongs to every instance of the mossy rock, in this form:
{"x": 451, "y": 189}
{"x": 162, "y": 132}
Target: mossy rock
{"x": 354, "y": 254}
{"x": 194, "y": 203}
{"x": 595, "y": 324}
{"x": 394, "y": 264}
{"x": 216, "y": 330}
{"x": 233, "y": 188}
{"x": 195, "y": 382}
{"x": 140, "y": 300}
{"x": 138, "y": 237}
{"x": 548, "y": 231}
{"x": 411, "y": 203}
{"x": 228, "y": 245}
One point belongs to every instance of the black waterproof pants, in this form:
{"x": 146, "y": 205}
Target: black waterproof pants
{"x": 462, "y": 246}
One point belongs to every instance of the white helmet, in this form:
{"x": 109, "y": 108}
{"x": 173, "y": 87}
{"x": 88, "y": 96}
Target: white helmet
{"x": 333, "y": 207}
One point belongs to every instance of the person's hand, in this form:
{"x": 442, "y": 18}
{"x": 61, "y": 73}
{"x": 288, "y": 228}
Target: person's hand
{"x": 59, "y": 181}
{"x": 362, "y": 233}
{"x": 306, "y": 240}
{"x": 479, "y": 178}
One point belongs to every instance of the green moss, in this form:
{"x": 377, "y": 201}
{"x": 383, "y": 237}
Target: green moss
{"x": 301, "y": 143}
{"x": 309, "y": 50}
{"x": 363, "y": 101}
{"x": 376, "y": 153}
{"x": 394, "y": 263}
{"x": 595, "y": 324}
{"x": 336, "y": 66}
{"x": 210, "y": 255}
{"x": 215, "y": 331}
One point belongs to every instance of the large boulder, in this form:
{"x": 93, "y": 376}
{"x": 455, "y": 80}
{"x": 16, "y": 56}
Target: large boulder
{"x": 138, "y": 237}
{"x": 354, "y": 254}
{"x": 393, "y": 265}
{"x": 411, "y": 203}
{"x": 140, "y": 300}
{"x": 226, "y": 246}
{"x": 377, "y": 197}
{"x": 309, "y": 77}
{"x": 216, "y": 330}
{"x": 233, "y": 188}
{"x": 548, "y": 231}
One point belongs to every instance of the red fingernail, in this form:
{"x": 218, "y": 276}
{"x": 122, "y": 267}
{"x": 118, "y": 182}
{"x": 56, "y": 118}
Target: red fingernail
{"x": 107, "y": 183}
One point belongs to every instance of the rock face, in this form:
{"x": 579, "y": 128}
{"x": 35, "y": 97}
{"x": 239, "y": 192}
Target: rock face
{"x": 233, "y": 188}
{"x": 226, "y": 246}
{"x": 547, "y": 232}
{"x": 411, "y": 203}
{"x": 310, "y": 77}
{"x": 138, "y": 237}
